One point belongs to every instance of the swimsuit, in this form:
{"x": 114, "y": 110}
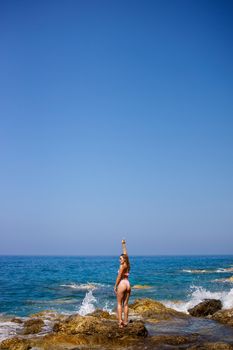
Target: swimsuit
{"x": 125, "y": 280}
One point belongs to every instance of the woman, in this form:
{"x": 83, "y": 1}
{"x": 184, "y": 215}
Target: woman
{"x": 122, "y": 287}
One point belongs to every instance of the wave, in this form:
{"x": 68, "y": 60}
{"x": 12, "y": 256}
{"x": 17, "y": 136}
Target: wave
{"x": 198, "y": 295}
{"x": 227, "y": 269}
{"x": 197, "y": 271}
{"x": 109, "y": 306}
{"x": 88, "y": 304}
{"x": 83, "y": 286}
{"x": 219, "y": 270}
{"x": 225, "y": 280}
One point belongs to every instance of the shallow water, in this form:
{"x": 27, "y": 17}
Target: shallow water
{"x": 208, "y": 330}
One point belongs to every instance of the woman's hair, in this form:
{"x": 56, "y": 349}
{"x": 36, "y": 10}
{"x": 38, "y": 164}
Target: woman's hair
{"x": 126, "y": 259}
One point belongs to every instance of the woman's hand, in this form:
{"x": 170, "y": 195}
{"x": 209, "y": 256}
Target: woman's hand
{"x": 115, "y": 289}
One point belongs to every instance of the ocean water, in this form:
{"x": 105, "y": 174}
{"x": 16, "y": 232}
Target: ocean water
{"x": 30, "y": 284}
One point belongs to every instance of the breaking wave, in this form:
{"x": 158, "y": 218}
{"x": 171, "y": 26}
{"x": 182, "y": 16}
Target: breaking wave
{"x": 88, "y": 304}
{"x": 82, "y": 286}
{"x": 219, "y": 270}
{"x": 197, "y": 295}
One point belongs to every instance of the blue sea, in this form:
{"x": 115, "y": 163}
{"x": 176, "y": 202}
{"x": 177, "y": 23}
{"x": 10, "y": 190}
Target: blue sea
{"x": 80, "y": 284}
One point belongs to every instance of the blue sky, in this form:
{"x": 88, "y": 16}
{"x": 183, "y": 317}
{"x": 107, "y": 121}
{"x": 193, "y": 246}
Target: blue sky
{"x": 116, "y": 121}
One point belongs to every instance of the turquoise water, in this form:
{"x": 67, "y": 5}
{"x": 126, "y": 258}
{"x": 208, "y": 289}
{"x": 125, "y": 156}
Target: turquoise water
{"x": 30, "y": 284}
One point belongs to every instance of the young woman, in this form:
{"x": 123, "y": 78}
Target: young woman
{"x": 122, "y": 287}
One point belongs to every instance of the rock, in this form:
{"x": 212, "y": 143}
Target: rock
{"x": 49, "y": 315}
{"x": 224, "y": 316}
{"x": 15, "y": 344}
{"x": 139, "y": 286}
{"x": 205, "y": 308}
{"x": 90, "y": 325}
{"x": 212, "y": 346}
{"x": 16, "y": 320}
{"x": 173, "y": 339}
{"x": 33, "y": 326}
{"x": 154, "y": 310}
{"x": 102, "y": 314}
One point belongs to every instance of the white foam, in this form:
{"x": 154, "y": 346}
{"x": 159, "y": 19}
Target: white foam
{"x": 228, "y": 269}
{"x": 109, "y": 308}
{"x": 82, "y": 286}
{"x": 8, "y": 329}
{"x": 198, "y": 295}
{"x": 219, "y": 270}
{"x": 87, "y": 304}
{"x": 197, "y": 271}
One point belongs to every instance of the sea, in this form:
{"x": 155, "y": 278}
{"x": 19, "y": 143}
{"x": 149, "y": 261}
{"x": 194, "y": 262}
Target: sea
{"x": 81, "y": 284}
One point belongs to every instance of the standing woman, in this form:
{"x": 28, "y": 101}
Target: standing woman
{"x": 122, "y": 287}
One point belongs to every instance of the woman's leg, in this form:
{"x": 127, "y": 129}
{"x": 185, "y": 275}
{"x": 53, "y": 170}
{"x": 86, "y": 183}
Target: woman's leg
{"x": 126, "y": 307}
{"x": 120, "y": 296}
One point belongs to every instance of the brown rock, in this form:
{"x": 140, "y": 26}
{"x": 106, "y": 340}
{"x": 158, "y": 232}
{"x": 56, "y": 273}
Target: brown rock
{"x": 139, "y": 286}
{"x": 152, "y": 309}
{"x": 102, "y": 314}
{"x": 15, "y": 344}
{"x": 90, "y": 325}
{"x": 16, "y": 320}
{"x": 33, "y": 326}
{"x": 205, "y": 308}
{"x": 172, "y": 339}
{"x": 224, "y": 316}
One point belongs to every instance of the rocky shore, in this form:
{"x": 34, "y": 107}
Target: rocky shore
{"x": 151, "y": 326}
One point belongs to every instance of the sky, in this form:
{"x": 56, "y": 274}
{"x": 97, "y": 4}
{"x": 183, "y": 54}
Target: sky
{"x": 116, "y": 121}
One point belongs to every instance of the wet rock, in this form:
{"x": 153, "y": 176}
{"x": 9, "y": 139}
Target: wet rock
{"x": 212, "y": 346}
{"x": 172, "y": 339}
{"x": 205, "y": 308}
{"x": 102, "y": 314}
{"x": 16, "y": 320}
{"x": 15, "y": 344}
{"x": 49, "y": 315}
{"x": 224, "y": 316}
{"x": 33, "y": 326}
{"x": 139, "y": 286}
{"x": 152, "y": 309}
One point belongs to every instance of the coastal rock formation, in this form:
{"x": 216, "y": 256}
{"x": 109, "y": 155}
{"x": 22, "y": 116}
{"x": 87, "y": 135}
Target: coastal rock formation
{"x": 16, "y": 320}
{"x": 206, "y": 308}
{"x": 139, "y": 286}
{"x": 102, "y": 314}
{"x": 173, "y": 339}
{"x": 100, "y": 327}
{"x": 224, "y": 316}
{"x": 99, "y": 330}
{"x": 15, "y": 344}
{"x": 151, "y": 309}
{"x": 33, "y": 326}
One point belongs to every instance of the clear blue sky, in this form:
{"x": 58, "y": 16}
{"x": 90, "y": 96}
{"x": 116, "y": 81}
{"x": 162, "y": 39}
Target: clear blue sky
{"x": 116, "y": 120}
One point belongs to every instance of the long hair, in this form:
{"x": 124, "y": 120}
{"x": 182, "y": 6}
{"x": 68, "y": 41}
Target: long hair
{"x": 126, "y": 259}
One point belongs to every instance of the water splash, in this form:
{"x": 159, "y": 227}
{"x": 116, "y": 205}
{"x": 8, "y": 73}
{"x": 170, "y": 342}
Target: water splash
{"x": 88, "y": 304}
{"x": 197, "y": 295}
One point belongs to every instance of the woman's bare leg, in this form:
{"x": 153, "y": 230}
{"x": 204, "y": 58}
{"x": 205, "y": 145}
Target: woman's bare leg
{"x": 120, "y": 296}
{"x": 126, "y": 307}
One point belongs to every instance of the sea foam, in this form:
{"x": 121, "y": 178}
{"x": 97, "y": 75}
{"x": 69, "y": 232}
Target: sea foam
{"x": 82, "y": 286}
{"x": 197, "y": 295}
{"x": 88, "y": 304}
{"x": 219, "y": 270}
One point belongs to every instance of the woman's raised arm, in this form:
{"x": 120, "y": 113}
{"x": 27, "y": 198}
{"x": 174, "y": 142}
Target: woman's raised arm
{"x": 124, "y": 250}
